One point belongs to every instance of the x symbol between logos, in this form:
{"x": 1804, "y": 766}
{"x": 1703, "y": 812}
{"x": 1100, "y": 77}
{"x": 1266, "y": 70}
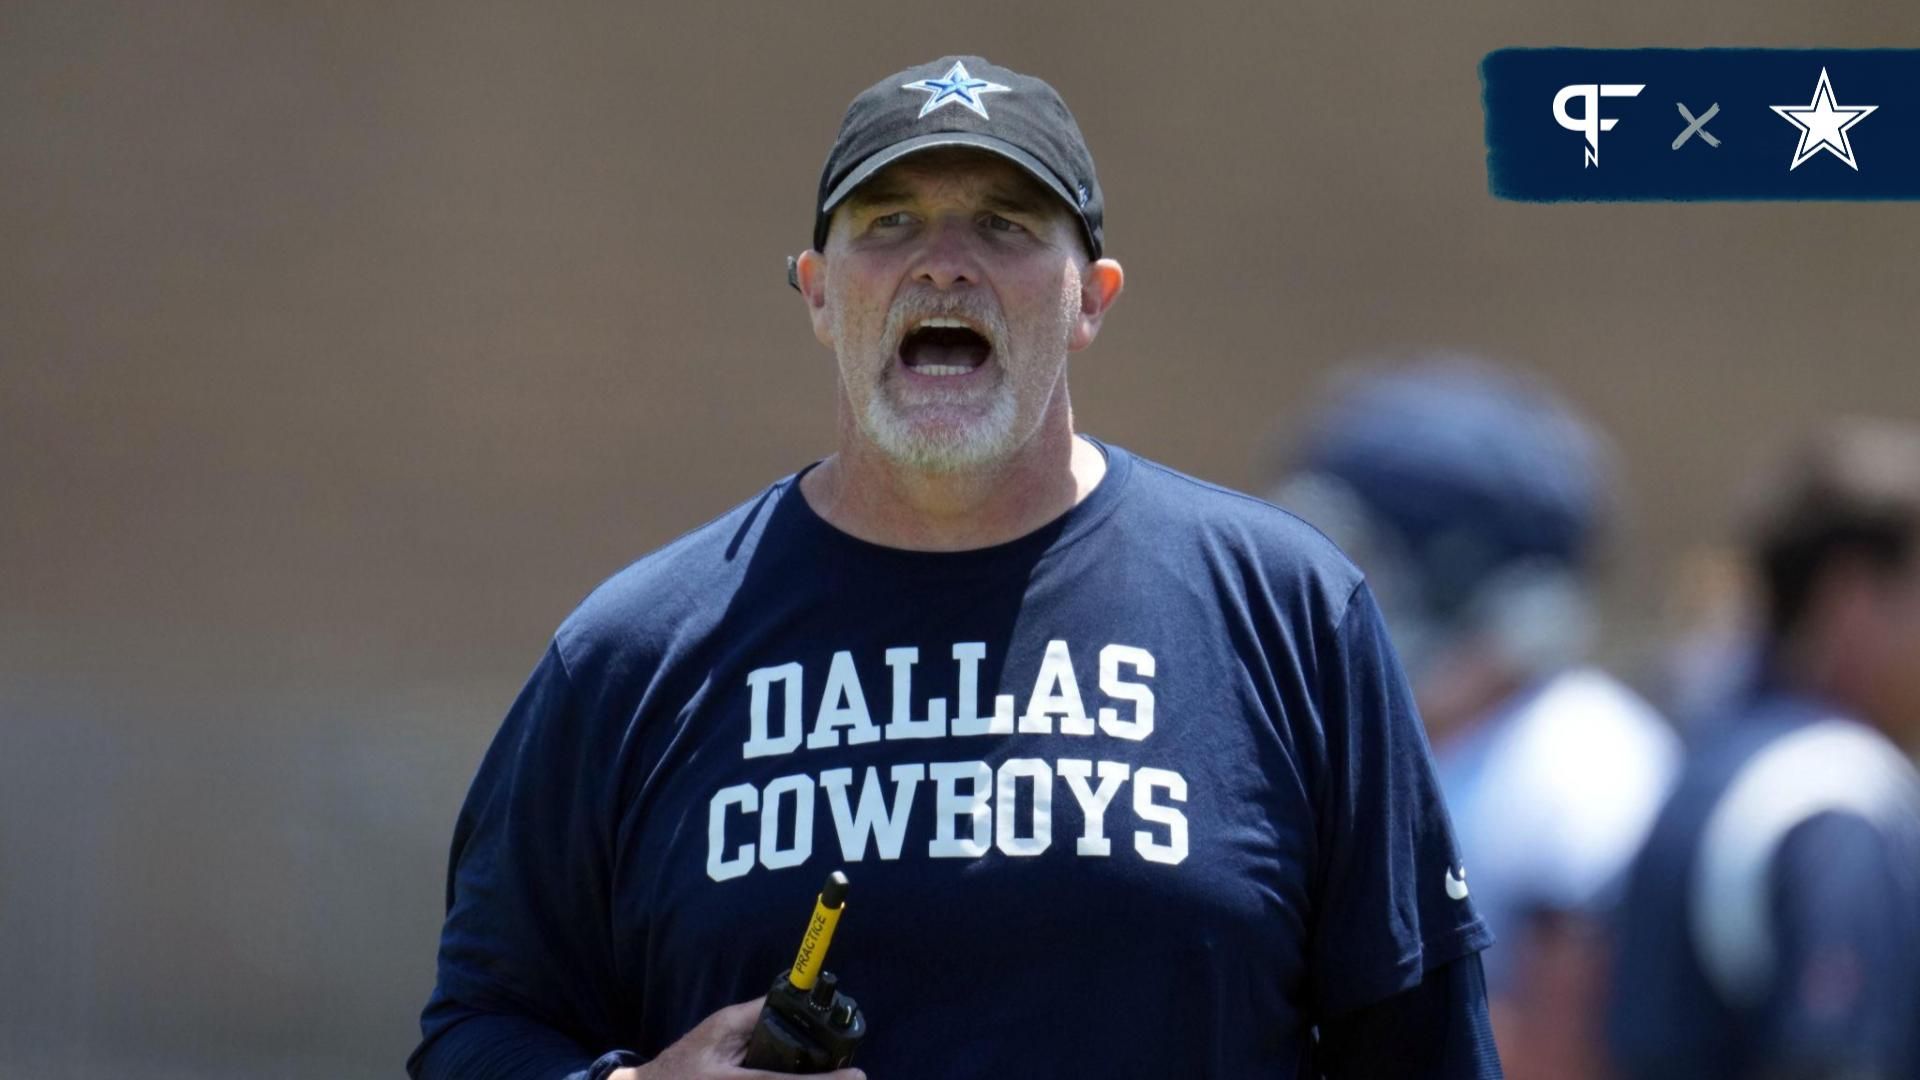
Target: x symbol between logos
{"x": 1697, "y": 126}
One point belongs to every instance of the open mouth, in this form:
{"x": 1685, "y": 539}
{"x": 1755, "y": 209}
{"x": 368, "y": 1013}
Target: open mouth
{"x": 944, "y": 346}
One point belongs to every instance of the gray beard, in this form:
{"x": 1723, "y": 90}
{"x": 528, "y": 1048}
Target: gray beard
{"x": 987, "y": 439}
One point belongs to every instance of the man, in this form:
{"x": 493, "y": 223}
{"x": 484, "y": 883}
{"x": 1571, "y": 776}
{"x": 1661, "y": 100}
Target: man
{"x": 1773, "y": 920}
{"x": 1473, "y": 500}
{"x": 1120, "y": 765}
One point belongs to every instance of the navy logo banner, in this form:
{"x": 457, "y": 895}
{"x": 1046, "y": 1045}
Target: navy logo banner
{"x": 1688, "y": 124}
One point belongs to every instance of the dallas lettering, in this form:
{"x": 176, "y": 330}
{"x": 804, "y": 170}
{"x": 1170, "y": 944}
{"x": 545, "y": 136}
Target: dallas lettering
{"x": 974, "y": 805}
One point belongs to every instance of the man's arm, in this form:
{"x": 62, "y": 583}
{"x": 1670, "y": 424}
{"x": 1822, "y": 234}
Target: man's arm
{"x": 470, "y": 1043}
{"x": 527, "y": 984}
{"x": 1394, "y": 964}
{"x": 1549, "y": 1014}
{"x": 1841, "y": 1000}
{"x": 1436, "y": 1030}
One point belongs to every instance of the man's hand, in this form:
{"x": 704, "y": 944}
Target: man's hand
{"x": 713, "y": 1050}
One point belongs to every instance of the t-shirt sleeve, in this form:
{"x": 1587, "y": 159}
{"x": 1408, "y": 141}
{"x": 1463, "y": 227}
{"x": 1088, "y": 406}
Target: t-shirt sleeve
{"x": 526, "y": 984}
{"x": 1439, "y": 1029}
{"x": 1393, "y": 896}
{"x": 1845, "y": 935}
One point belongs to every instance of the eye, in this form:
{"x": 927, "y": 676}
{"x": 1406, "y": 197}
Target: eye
{"x": 1000, "y": 224}
{"x": 893, "y": 220}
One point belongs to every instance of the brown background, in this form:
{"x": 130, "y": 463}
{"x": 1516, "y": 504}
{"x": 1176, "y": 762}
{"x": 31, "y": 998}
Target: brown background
{"x": 345, "y": 347}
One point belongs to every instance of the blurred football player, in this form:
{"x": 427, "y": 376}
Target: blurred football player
{"x": 1772, "y": 925}
{"x": 1474, "y": 499}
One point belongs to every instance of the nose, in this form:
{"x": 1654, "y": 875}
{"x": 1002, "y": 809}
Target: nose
{"x": 948, "y": 258}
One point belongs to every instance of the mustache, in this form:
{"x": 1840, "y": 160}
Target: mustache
{"x": 915, "y": 307}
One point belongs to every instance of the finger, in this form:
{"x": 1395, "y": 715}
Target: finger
{"x": 763, "y": 1075}
{"x": 738, "y": 1017}
{"x": 759, "y": 1074}
{"x": 732, "y": 1029}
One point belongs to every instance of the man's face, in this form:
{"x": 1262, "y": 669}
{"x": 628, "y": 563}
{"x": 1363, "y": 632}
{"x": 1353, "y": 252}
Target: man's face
{"x": 1896, "y": 648}
{"x": 953, "y": 292}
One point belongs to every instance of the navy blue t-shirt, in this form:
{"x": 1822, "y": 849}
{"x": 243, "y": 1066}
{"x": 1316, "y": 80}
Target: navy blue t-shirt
{"x": 1772, "y": 923}
{"x": 1142, "y": 793}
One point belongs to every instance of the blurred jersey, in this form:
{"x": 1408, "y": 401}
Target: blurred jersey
{"x": 1551, "y": 796}
{"x": 1772, "y": 924}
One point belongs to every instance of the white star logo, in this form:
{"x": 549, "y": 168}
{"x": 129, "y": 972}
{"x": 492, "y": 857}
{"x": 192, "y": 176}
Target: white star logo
{"x": 1823, "y": 125}
{"x": 956, "y": 87}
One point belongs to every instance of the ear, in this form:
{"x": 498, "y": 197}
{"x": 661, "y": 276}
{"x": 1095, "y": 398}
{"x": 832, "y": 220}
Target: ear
{"x": 1100, "y": 285}
{"x": 810, "y": 277}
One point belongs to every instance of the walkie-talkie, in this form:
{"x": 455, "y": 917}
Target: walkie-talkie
{"x": 807, "y": 1024}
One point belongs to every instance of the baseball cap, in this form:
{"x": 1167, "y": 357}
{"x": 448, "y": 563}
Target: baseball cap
{"x": 963, "y": 101}
{"x": 1471, "y": 495}
{"x": 1453, "y": 444}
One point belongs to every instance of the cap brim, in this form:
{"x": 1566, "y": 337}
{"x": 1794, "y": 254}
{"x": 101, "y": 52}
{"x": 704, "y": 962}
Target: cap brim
{"x": 864, "y": 171}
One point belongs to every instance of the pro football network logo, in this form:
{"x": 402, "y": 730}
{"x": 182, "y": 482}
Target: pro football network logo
{"x": 1589, "y": 122}
{"x": 1702, "y": 124}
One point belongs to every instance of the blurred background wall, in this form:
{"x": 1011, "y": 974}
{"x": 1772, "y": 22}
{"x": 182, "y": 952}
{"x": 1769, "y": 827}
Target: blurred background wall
{"x": 344, "y": 347}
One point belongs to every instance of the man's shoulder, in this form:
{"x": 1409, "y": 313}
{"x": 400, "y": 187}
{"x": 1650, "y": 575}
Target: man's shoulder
{"x": 673, "y": 585}
{"x": 1776, "y": 736}
{"x": 1579, "y": 768}
{"x": 1176, "y": 507}
{"x": 1800, "y": 759}
{"x": 1584, "y": 719}
{"x": 1777, "y": 765}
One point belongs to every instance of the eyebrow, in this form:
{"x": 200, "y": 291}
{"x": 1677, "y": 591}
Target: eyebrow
{"x": 871, "y": 195}
{"x": 1015, "y": 201}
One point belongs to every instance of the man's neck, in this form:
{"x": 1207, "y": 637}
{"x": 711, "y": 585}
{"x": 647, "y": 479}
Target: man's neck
{"x": 1818, "y": 669}
{"x": 866, "y": 495}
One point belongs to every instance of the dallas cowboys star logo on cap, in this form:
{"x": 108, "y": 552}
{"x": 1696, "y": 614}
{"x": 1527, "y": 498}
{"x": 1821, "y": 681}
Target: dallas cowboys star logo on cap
{"x": 955, "y": 87}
